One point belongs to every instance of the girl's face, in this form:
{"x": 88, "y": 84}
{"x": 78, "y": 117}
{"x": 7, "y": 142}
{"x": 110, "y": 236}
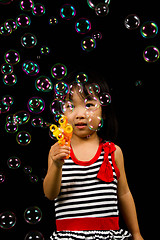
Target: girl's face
{"x": 85, "y": 115}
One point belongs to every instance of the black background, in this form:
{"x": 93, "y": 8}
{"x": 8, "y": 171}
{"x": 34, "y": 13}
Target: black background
{"x": 119, "y": 55}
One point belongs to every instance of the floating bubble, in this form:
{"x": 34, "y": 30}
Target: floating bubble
{"x": 28, "y": 40}
{"x": 132, "y": 22}
{"x": 38, "y": 10}
{"x": 36, "y": 105}
{"x": 37, "y": 121}
{"x": 11, "y": 23}
{"x": 105, "y": 99}
{"x": 55, "y": 107}
{"x": 5, "y": 30}
{"x": 34, "y": 235}
{"x": 151, "y": 54}
{"x": 23, "y": 138}
{"x": 26, "y": 5}
{"x": 7, "y": 100}
{"x": 91, "y": 103}
{"x": 93, "y": 3}
{"x": 88, "y": 44}
{"x": 11, "y": 127}
{"x": 138, "y": 83}
{"x": 58, "y": 71}
{"x": 33, "y": 215}
{"x": 94, "y": 88}
{"x": 33, "y": 178}
{"x": 12, "y": 57}
{"x": 31, "y": 68}
{"x": 44, "y": 50}
{"x": 149, "y": 29}
{"x": 75, "y": 86}
{"x": 102, "y": 9}
{"x": 10, "y": 79}
{"x": 23, "y": 20}
{"x": 6, "y": 68}
{"x": 97, "y": 35}
{"x": 2, "y": 177}
{"x": 3, "y": 107}
{"x": 7, "y": 220}
{"x": 83, "y": 25}
{"x": 14, "y": 162}
{"x": 21, "y": 117}
{"x": 27, "y": 169}
{"x": 94, "y": 122}
{"x": 82, "y": 77}
{"x": 61, "y": 89}
{"x": 67, "y": 107}
{"x": 43, "y": 84}
{"x": 53, "y": 21}
{"x": 67, "y": 11}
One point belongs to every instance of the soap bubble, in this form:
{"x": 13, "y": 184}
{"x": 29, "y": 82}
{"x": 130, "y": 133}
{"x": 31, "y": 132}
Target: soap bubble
{"x": 27, "y": 169}
{"x": 14, "y": 162}
{"x": 31, "y": 68}
{"x": 132, "y": 22}
{"x": 6, "y": 68}
{"x": 10, "y": 79}
{"x": 2, "y": 177}
{"x": 93, "y": 3}
{"x": 11, "y": 127}
{"x": 11, "y": 23}
{"x": 26, "y": 5}
{"x": 58, "y": 71}
{"x": 36, "y": 105}
{"x": 23, "y": 138}
{"x": 3, "y": 107}
{"x": 82, "y": 77}
{"x": 38, "y": 9}
{"x": 53, "y": 21}
{"x": 55, "y": 107}
{"x": 28, "y": 40}
{"x": 95, "y": 123}
{"x": 37, "y": 121}
{"x": 75, "y": 86}
{"x": 88, "y": 44}
{"x": 151, "y": 54}
{"x": 83, "y": 25}
{"x": 149, "y": 29}
{"x": 44, "y": 50}
{"x": 33, "y": 178}
{"x": 34, "y": 235}
{"x": 7, "y": 220}
{"x": 7, "y": 100}
{"x": 21, "y": 117}
{"x": 61, "y": 89}
{"x": 138, "y": 83}
{"x": 43, "y": 84}
{"x": 91, "y": 103}
{"x": 33, "y": 215}
{"x": 23, "y": 20}
{"x": 5, "y": 30}
{"x": 97, "y": 35}
{"x": 12, "y": 57}
{"x": 67, "y": 11}
{"x": 94, "y": 88}
{"x": 102, "y": 10}
{"x": 105, "y": 99}
{"x": 67, "y": 107}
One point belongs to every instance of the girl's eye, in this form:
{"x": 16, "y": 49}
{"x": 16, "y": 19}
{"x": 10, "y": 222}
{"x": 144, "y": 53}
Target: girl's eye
{"x": 88, "y": 105}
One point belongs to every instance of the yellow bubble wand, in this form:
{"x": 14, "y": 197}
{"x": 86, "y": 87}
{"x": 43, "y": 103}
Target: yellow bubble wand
{"x": 63, "y": 133}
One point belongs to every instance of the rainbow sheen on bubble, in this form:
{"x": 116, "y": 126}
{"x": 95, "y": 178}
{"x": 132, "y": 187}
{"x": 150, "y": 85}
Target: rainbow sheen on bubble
{"x": 61, "y": 89}
{"x": 5, "y": 30}
{"x": 3, "y": 107}
{"x": 32, "y": 235}
{"x": 23, "y": 138}
{"x": 11, "y": 23}
{"x": 7, "y": 220}
{"x": 53, "y": 21}
{"x": 31, "y": 68}
{"x": 11, "y": 127}
{"x": 14, "y": 162}
{"x": 8, "y": 100}
{"x": 33, "y": 215}
{"x": 38, "y": 9}
{"x": 21, "y": 117}
{"x": 6, "y": 68}
{"x": 58, "y": 71}
{"x": 91, "y": 103}
{"x": 10, "y": 79}
{"x": 28, "y": 40}
{"x": 102, "y": 10}
{"x": 12, "y": 57}
{"x": 132, "y": 22}
{"x": 26, "y": 5}
{"x": 151, "y": 54}
{"x": 105, "y": 99}
{"x": 88, "y": 44}
{"x": 36, "y": 105}
{"x": 23, "y": 21}
{"x": 67, "y": 12}
{"x": 44, "y": 50}
{"x": 83, "y": 25}
{"x": 43, "y": 84}
{"x": 149, "y": 29}
{"x": 82, "y": 77}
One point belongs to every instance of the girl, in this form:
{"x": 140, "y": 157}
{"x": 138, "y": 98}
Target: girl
{"x": 87, "y": 187}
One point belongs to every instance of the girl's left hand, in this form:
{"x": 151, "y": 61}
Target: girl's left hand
{"x": 137, "y": 237}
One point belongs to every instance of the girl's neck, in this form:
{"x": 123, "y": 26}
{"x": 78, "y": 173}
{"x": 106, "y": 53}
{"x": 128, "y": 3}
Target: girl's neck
{"x": 76, "y": 140}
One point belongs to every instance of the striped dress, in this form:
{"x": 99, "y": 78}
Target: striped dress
{"x": 87, "y": 205}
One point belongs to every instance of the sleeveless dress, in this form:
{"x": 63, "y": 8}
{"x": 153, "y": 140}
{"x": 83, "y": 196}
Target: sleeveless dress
{"x": 87, "y": 205}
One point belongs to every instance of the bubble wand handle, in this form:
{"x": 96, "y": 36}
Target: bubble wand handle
{"x": 63, "y": 133}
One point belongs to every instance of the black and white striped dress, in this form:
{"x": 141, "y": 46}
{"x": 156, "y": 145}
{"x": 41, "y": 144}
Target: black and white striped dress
{"x": 87, "y": 207}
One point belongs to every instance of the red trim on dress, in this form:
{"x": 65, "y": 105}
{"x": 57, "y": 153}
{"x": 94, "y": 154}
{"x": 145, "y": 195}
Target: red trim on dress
{"x": 88, "y": 224}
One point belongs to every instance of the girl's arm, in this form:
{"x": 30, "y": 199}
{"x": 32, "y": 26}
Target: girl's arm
{"x": 126, "y": 202}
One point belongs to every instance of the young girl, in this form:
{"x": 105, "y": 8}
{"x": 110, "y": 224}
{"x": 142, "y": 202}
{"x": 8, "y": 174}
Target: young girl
{"x": 88, "y": 186}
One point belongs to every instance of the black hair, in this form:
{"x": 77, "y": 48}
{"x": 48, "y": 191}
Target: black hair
{"x": 109, "y": 131}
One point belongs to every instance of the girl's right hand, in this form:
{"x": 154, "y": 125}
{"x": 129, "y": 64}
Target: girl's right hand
{"x": 58, "y": 153}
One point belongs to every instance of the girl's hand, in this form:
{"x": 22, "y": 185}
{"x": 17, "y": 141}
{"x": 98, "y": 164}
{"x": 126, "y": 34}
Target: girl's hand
{"x": 137, "y": 237}
{"x": 58, "y": 153}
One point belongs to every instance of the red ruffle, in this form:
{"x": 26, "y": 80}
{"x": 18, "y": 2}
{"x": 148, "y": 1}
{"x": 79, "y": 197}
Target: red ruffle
{"x": 106, "y": 172}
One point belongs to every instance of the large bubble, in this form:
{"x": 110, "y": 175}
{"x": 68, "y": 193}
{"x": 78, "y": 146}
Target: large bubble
{"x": 33, "y": 215}
{"x": 7, "y": 220}
{"x": 58, "y": 71}
{"x": 151, "y": 54}
{"x": 83, "y": 25}
{"x": 149, "y": 29}
{"x": 28, "y": 40}
{"x": 12, "y": 56}
{"x": 67, "y": 11}
{"x": 36, "y": 105}
{"x": 132, "y": 22}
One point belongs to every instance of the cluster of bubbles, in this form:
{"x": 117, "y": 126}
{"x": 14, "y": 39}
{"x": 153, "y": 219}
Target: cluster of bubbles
{"x": 148, "y": 30}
